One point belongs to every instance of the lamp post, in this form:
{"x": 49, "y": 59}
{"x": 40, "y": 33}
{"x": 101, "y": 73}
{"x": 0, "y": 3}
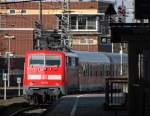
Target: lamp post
{"x": 121, "y": 60}
{"x": 8, "y": 56}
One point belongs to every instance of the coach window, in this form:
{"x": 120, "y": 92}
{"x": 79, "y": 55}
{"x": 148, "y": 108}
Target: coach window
{"x": 112, "y": 70}
{"x": 69, "y": 61}
{"x": 98, "y": 70}
{"x": 91, "y": 70}
{"x": 73, "y": 62}
{"x": 96, "y": 73}
{"x": 84, "y": 73}
{"x": 89, "y": 74}
{"x": 76, "y": 61}
{"x": 108, "y": 71}
{"x": 84, "y": 69}
{"x": 102, "y": 70}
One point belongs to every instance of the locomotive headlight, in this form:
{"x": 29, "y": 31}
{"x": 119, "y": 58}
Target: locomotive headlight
{"x": 34, "y": 77}
{"x": 54, "y": 77}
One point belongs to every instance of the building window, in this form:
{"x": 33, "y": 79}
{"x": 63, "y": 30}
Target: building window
{"x": 90, "y": 41}
{"x": 82, "y": 22}
{"x": 12, "y": 11}
{"x": 83, "y": 41}
{"x": 108, "y": 40}
{"x": 91, "y": 22}
{"x": 104, "y": 40}
{"x": 86, "y": 41}
{"x": 73, "y": 22}
{"x": 23, "y": 11}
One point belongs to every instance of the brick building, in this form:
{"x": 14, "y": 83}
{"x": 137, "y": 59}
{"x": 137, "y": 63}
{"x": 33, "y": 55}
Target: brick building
{"x": 87, "y": 22}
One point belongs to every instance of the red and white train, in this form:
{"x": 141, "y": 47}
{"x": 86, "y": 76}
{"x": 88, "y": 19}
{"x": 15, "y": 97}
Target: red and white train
{"x": 59, "y": 73}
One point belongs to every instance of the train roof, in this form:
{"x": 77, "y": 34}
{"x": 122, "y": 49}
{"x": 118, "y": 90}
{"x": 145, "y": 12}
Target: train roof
{"x": 72, "y": 54}
{"x": 92, "y": 57}
{"x": 101, "y": 57}
{"x": 115, "y": 58}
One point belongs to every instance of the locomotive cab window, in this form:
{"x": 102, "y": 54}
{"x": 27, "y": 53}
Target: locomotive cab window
{"x": 36, "y": 60}
{"x": 44, "y": 60}
{"x": 52, "y": 60}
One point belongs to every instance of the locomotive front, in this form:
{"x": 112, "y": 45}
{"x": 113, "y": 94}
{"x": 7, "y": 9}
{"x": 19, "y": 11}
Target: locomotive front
{"x": 43, "y": 75}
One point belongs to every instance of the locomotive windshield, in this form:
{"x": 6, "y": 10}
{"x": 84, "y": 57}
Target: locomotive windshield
{"x": 36, "y": 60}
{"x": 44, "y": 60}
{"x": 52, "y": 60}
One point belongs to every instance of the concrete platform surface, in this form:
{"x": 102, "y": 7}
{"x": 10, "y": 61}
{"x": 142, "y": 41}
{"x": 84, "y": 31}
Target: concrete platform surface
{"x": 83, "y": 105}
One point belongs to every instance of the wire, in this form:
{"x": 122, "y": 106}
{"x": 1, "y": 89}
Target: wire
{"x": 11, "y": 2}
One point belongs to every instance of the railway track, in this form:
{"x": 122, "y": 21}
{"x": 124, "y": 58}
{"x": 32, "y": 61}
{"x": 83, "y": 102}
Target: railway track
{"x": 35, "y": 110}
{"x": 31, "y": 110}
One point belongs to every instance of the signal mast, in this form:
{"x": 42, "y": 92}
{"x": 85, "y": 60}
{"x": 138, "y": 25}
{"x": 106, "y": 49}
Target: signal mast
{"x": 65, "y": 26}
{"x": 65, "y": 38}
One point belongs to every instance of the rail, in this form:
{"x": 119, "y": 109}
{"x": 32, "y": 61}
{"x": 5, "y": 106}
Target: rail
{"x": 21, "y": 112}
{"x": 116, "y": 93}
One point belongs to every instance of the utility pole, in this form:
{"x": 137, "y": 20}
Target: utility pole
{"x": 40, "y": 12}
{"x": 65, "y": 25}
{"x": 38, "y": 28}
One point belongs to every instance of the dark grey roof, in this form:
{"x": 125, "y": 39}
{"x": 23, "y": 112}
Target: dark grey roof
{"x": 101, "y": 57}
{"x": 115, "y": 58}
{"x": 92, "y": 57}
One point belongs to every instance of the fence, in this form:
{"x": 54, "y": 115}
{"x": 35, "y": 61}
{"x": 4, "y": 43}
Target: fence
{"x": 116, "y": 93}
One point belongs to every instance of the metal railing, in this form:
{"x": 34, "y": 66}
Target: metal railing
{"x": 116, "y": 93}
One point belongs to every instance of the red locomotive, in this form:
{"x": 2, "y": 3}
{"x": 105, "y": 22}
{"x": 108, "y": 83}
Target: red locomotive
{"x": 57, "y": 73}
{"x": 49, "y": 73}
